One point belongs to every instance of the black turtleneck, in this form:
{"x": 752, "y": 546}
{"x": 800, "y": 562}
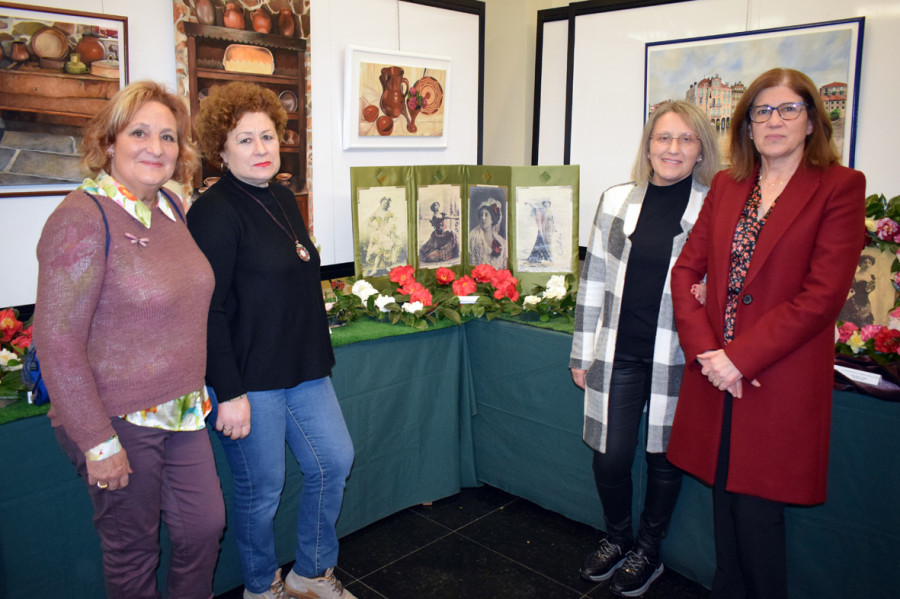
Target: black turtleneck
{"x": 267, "y": 323}
{"x": 648, "y": 266}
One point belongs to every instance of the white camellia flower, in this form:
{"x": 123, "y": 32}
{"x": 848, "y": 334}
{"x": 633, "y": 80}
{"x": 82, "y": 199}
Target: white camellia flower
{"x": 6, "y": 356}
{"x": 557, "y": 281}
{"x": 383, "y": 300}
{"x": 413, "y": 307}
{"x": 530, "y": 300}
{"x": 554, "y": 293}
{"x": 363, "y": 289}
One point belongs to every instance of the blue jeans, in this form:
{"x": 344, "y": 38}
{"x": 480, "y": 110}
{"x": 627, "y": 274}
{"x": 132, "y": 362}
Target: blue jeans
{"x": 309, "y": 418}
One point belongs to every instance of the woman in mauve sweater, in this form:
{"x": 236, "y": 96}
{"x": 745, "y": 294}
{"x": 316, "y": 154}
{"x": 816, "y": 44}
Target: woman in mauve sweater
{"x": 120, "y": 326}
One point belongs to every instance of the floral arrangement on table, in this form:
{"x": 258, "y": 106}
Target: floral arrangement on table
{"x": 439, "y": 295}
{"x": 15, "y": 338}
{"x": 878, "y": 342}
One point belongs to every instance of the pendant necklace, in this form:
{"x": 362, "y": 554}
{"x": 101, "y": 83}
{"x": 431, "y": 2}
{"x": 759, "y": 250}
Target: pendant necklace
{"x": 301, "y": 250}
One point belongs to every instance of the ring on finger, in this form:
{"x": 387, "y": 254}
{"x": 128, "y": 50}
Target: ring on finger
{"x": 102, "y": 484}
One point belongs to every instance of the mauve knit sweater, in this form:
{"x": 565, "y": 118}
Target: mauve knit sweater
{"x": 117, "y": 333}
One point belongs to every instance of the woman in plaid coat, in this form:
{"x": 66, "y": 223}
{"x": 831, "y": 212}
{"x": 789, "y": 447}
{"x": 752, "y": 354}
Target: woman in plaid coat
{"x": 625, "y": 351}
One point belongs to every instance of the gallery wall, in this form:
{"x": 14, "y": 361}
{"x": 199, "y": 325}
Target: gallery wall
{"x": 608, "y": 92}
{"x": 383, "y": 24}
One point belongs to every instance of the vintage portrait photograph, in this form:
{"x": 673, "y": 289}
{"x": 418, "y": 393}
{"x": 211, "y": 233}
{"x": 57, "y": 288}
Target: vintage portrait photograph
{"x": 871, "y": 296}
{"x": 488, "y": 230}
{"x": 544, "y": 229}
{"x": 57, "y": 70}
{"x": 438, "y": 225}
{"x": 383, "y": 234}
{"x": 712, "y": 72}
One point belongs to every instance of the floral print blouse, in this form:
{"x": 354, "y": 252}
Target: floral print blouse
{"x": 745, "y": 235}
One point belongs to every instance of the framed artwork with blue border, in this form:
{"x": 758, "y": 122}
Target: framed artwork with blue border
{"x": 713, "y": 71}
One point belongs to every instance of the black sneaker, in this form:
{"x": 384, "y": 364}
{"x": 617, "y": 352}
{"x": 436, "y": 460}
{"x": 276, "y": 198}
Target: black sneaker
{"x": 636, "y": 574}
{"x": 602, "y": 564}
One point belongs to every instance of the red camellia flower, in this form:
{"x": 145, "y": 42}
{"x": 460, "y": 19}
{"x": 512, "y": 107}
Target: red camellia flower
{"x": 402, "y": 274}
{"x": 410, "y": 287}
{"x": 421, "y": 295}
{"x": 507, "y": 289}
{"x": 483, "y": 273}
{"x": 338, "y": 284}
{"x": 503, "y": 276}
{"x": 464, "y": 286}
{"x": 445, "y": 275}
{"x": 887, "y": 341}
{"x": 9, "y": 325}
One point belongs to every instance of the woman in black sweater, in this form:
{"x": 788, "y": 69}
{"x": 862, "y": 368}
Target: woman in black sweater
{"x": 270, "y": 354}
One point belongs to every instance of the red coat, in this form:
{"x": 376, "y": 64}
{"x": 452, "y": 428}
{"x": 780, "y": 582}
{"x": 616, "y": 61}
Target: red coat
{"x": 801, "y": 271}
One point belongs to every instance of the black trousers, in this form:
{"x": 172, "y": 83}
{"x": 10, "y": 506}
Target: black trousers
{"x": 751, "y": 554}
{"x": 629, "y": 392}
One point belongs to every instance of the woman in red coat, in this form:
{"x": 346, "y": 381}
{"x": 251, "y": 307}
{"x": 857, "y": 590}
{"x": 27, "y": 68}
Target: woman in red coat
{"x": 777, "y": 241}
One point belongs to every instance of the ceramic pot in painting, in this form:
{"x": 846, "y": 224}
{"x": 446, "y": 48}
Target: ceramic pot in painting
{"x": 392, "y": 81}
{"x": 206, "y": 14}
{"x": 286, "y": 22}
{"x": 233, "y": 16}
{"x": 261, "y": 21}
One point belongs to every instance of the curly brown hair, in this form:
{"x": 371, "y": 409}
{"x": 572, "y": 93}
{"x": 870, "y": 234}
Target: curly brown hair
{"x": 225, "y": 105}
{"x": 100, "y": 133}
{"x": 819, "y": 151}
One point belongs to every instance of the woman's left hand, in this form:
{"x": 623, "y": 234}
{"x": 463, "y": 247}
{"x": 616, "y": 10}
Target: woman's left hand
{"x": 722, "y": 373}
{"x": 233, "y": 419}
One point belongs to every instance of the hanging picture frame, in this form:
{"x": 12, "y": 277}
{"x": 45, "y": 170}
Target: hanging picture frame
{"x": 395, "y": 99}
{"x": 712, "y": 72}
{"x": 46, "y": 96}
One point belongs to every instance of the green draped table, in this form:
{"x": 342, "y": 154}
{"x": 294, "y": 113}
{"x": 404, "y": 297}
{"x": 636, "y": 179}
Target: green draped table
{"x": 487, "y": 402}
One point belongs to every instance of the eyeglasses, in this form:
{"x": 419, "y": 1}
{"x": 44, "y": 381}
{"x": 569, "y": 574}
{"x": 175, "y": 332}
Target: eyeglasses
{"x": 665, "y": 139}
{"x": 787, "y": 111}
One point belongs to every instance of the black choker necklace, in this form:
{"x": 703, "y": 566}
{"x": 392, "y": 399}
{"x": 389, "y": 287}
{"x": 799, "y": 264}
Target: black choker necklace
{"x": 302, "y": 252}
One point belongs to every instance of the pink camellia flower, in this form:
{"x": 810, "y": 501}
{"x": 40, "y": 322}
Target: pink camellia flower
{"x": 464, "y": 286}
{"x": 845, "y": 331}
{"x": 886, "y": 229}
{"x": 895, "y": 313}
{"x": 868, "y": 331}
{"x": 421, "y": 295}
{"x": 402, "y": 274}
{"x": 445, "y": 275}
{"x": 483, "y": 273}
{"x": 887, "y": 341}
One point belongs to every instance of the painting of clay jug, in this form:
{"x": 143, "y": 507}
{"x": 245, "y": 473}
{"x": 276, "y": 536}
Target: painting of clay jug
{"x": 393, "y": 96}
{"x": 286, "y": 22}
{"x": 261, "y": 21}
{"x": 233, "y": 16}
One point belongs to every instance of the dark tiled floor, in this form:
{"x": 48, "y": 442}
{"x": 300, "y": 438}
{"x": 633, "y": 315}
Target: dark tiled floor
{"x": 482, "y": 543}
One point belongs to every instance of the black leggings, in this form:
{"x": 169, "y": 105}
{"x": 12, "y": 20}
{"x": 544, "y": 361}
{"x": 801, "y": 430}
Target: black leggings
{"x": 629, "y": 392}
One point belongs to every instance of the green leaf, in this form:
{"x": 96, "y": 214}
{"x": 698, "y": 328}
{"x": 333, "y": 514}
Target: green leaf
{"x": 451, "y": 315}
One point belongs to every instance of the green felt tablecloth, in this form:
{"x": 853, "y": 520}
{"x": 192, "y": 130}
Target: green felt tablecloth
{"x": 489, "y": 402}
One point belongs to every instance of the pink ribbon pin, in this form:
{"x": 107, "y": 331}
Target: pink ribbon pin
{"x": 142, "y": 241}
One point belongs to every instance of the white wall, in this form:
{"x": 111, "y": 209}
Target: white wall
{"x": 151, "y": 55}
{"x": 609, "y": 80}
{"x": 383, "y": 25}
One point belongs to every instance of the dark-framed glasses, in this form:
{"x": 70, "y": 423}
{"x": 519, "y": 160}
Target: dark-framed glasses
{"x": 664, "y": 139}
{"x": 787, "y": 111}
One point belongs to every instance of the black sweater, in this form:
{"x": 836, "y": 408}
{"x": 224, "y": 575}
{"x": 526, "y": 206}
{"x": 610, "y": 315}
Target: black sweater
{"x": 648, "y": 266}
{"x": 267, "y": 323}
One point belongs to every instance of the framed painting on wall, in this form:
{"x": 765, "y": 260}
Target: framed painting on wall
{"x": 395, "y": 99}
{"x": 712, "y": 72}
{"x": 58, "y": 68}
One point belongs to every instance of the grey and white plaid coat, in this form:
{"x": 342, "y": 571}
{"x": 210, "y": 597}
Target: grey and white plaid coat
{"x": 599, "y": 305}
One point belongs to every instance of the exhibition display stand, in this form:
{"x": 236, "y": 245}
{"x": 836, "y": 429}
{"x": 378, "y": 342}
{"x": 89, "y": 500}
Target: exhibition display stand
{"x": 486, "y": 402}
